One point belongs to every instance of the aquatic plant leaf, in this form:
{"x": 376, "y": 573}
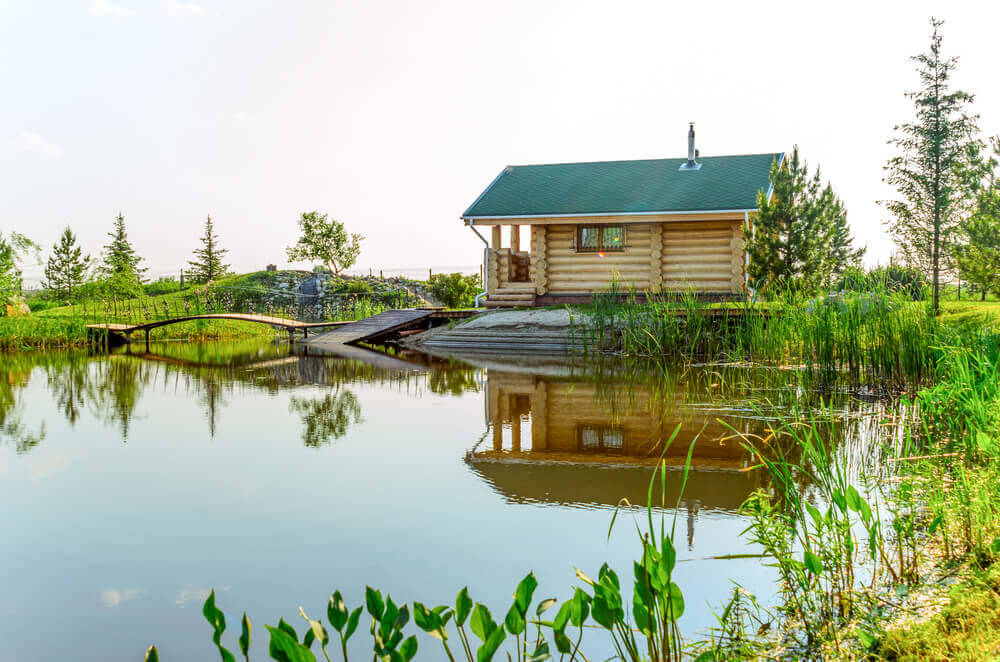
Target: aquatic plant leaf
{"x": 853, "y": 499}
{"x": 287, "y": 629}
{"x": 482, "y": 622}
{"x": 545, "y": 605}
{"x": 316, "y": 630}
{"x": 489, "y": 648}
{"x": 217, "y": 620}
{"x": 408, "y": 649}
{"x": 563, "y": 644}
{"x": 525, "y": 591}
{"x": 336, "y": 611}
{"x": 245, "y": 635}
{"x": 583, "y": 576}
{"x": 373, "y": 601}
{"x": 562, "y": 617}
{"x": 602, "y": 613}
{"x": 674, "y": 602}
{"x": 463, "y": 606}
{"x": 813, "y": 563}
{"x": 283, "y": 648}
{"x": 352, "y": 623}
{"x": 151, "y": 655}
{"x": 514, "y": 620}
{"x": 429, "y": 621}
{"x": 540, "y": 654}
{"x": 815, "y": 514}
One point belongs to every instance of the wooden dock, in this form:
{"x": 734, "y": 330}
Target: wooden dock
{"x": 374, "y": 328}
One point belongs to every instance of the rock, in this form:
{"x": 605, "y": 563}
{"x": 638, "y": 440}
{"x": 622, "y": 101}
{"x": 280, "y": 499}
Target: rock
{"x": 17, "y": 306}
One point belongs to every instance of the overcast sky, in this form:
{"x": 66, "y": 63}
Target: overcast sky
{"x": 393, "y": 116}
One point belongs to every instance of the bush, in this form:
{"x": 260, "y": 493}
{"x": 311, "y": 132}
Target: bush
{"x": 455, "y": 290}
{"x": 894, "y": 278}
{"x": 353, "y": 286}
{"x": 164, "y": 285}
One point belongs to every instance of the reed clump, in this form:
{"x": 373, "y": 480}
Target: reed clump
{"x": 877, "y": 337}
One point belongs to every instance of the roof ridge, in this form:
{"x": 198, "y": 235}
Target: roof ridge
{"x": 679, "y": 158}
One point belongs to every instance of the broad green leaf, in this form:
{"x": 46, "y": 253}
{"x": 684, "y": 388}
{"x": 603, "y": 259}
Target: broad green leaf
{"x": 514, "y": 621}
{"x": 525, "y": 590}
{"x": 815, "y": 514}
{"x": 540, "y": 654}
{"x": 581, "y": 608}
{"x": 489, "y": 648}
{"x": 373, "y": 600}
{"x": 813, "y": 563}
{"x": 562, "y": 617}
{"x": 287, "y": 629}
{"x": 601, "y": 613}
{"x": 674, "y": 602}
{"x": 482, "y": 622}
{"x": 245, "y": 635}
{"x": 995, "y": 546}
{"x": 563, "y": 644}
{"x": 336, "y": 611}
{"x": 463, "y": 606}
{"x": 217, "y": 620}
{"x": 853, "y": 499}
{"x": 935, "y": 523}
{"x": 283, "y": 648}
{"x": 669, "y": 558}
{"x": 352, "y": 623}
{"x": 606, "y": 573}
{"x": 151, "y": 655}
{"x": 545, "y": 605}
{"x": 408, "y": 649}
{"x": 867, "y": 639}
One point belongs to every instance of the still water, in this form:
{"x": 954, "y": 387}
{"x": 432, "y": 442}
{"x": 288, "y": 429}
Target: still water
{"x": 131, "y": 484}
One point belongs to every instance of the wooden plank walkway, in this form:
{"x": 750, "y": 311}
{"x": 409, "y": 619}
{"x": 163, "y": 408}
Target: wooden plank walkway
{"x": 370, "y": 328}
{"x": 243, "y": 317}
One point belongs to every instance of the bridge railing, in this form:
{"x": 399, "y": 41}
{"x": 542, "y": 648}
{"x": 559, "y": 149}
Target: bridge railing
{"x": 213, "y": 300}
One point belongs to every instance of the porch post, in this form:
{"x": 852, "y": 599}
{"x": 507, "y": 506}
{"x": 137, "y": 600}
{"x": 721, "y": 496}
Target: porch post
{"x": 515, "y": 238}
{"x": 497, "y": 238}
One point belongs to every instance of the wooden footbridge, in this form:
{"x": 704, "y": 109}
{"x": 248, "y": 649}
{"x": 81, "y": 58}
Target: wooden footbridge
{"x": 374, "y": 329}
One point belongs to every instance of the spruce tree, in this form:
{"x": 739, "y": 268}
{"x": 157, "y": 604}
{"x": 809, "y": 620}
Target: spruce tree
{"x": 120, "y": 268}
{"x": 934, "y": 170}
{"x": 207, "y": 264}
{"x": 67, "y": 266}
{"x": 977, "y": 255}
{"x": 800, "y": 236}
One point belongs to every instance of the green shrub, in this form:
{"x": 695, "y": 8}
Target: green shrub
{"x": 894, "y": 278}
{"x": 353, "y": 286}
{"x": 455, "y": 290}
{"x": 164, "y": 285}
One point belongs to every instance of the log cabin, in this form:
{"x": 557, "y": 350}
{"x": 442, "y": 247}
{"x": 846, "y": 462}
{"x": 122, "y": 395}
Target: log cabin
{"x": 655, "y": 225}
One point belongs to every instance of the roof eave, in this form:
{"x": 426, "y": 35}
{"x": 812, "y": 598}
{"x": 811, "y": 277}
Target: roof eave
{"x": 675, "y": 212}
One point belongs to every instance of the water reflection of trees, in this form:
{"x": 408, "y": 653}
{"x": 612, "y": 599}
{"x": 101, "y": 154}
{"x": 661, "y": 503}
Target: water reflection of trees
{"x": 110, "y": 388}
{"x": 327, "y": 418}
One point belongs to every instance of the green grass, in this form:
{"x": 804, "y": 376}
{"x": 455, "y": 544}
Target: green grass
{"x": 966, "y": 630}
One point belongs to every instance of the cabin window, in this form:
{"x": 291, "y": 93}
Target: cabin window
{"x": 600, "y": 238}
{"x": 600, "y": 438}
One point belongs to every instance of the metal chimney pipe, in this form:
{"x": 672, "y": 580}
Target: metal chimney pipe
{"x": 692, "y": 160}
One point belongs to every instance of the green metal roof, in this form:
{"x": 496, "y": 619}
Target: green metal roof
{"x": 626, "y": 187}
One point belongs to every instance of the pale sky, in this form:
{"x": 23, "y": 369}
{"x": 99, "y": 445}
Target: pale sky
{"x": 394, "y": 116}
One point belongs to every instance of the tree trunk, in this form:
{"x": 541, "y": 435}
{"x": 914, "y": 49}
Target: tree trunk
{"x": 983, "y": 297}
{"x": 937, "y": 269}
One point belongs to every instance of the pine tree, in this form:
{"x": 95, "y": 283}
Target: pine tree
{"x": 934, "y": 171}
{"x": 207, "y": 264}
{"x": 120, "y": 268}
{"x": 67, "y": 266}
{"x": 800, "y": 236}
{"x": 977, "y": 255}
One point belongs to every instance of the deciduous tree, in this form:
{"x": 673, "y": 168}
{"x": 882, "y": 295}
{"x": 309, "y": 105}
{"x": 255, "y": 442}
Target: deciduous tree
{"x": 208, "y": 264}
{"x": 935, "y": 170}
{"x": 67, "y": 266}
{"x": 325, "y": 239}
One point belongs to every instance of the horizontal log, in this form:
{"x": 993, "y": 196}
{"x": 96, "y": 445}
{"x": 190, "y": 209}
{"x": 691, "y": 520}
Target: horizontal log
{"x": 697, "y": 275}
{"x": 697, "y": 258}
{"x": 595, "y": 260}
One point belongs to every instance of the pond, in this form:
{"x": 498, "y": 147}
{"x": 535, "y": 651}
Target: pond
{"x": 133, "y": 483}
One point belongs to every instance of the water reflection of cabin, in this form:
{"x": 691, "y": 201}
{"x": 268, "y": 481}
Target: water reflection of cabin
{"x": 658, "y": 224}
{"x": 557, "y": 440}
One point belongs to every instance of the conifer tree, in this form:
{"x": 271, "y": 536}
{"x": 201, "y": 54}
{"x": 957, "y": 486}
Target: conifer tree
{"x": 120, "y": 268}
{"x": 977, "y": 255}
{"x": 800, "y": 236}
{"x": 934, "y": 170}
{"x": 208, "y": 264}
{"x": 67, "y": 266}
